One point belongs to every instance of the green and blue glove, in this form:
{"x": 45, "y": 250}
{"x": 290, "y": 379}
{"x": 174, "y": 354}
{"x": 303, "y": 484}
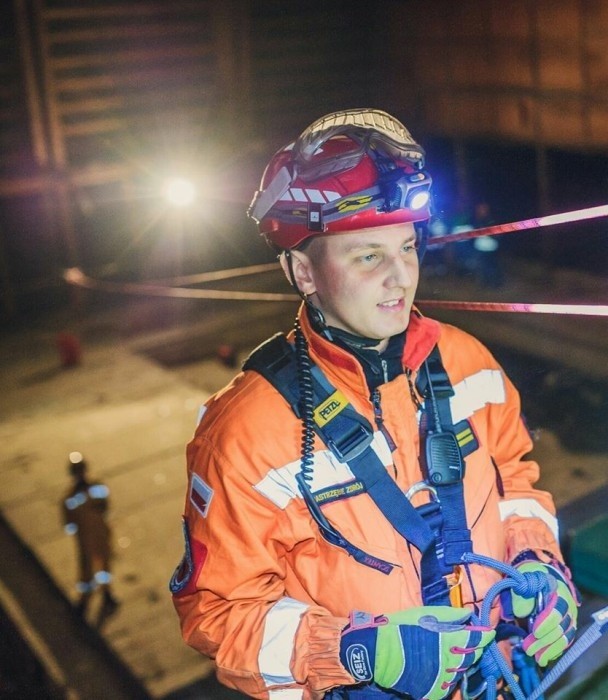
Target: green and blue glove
{"x": 422, "y": 652}
{"x": 552, "y": 617}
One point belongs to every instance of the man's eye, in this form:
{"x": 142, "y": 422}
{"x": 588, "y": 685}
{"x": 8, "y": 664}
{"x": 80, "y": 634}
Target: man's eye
{"x": 409, "y": 247}
{"x": 370, "y": 257}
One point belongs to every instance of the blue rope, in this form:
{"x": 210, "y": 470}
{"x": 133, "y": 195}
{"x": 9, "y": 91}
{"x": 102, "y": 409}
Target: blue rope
{"x": 529, "y": 585}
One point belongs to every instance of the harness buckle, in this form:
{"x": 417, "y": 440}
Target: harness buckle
{"x": 351, "y": 444}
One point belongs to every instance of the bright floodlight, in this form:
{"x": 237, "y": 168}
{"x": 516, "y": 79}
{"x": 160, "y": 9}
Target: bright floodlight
{"x": 180, "y": 192}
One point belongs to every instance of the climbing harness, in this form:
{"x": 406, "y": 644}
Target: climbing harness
{"x": 439, "y": 533}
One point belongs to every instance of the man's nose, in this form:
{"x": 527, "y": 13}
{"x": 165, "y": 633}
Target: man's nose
{"x": 401, "y": 273}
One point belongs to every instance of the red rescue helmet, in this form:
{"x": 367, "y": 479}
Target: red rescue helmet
{"x": 348, "y": 170}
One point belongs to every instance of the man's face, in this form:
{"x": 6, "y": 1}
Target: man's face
{"x": 364, "y": 282}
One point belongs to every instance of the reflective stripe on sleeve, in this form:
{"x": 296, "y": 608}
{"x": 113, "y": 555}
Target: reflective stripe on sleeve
{"x": 99, "y": 491}
{"x": 76, "y": 500}
{"x": 528, "y": 508}
{"x": 286, "y": 694}
{"x": 474, "y": 392}
{"x": 280, "y": 627}
{"x": 280, "y": 485}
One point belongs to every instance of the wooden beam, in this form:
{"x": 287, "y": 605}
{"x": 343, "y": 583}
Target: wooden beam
{"x": 94, "y": 11}
{"x": 133, "y": 56}
{"x": 147, "y": 31}
{"x": 32, "y": 90}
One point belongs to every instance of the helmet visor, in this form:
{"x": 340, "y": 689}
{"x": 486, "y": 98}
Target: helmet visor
{"x": 368, "y": 129}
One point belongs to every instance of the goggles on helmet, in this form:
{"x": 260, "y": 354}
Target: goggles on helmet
{"x": 400, "y": 184}
{"x": 372, "y": 129}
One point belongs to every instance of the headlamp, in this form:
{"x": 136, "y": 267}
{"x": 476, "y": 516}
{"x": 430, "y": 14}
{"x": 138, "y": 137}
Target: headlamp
{"x": 404, "y": 190}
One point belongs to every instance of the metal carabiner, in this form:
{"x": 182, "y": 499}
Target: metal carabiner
{"x": 464, "y": 686}
{"x": 421, "y": 486}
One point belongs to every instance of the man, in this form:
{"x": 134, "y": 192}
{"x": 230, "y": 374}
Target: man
{"x": 84, "y": 509}
{"x": 334, "y": 492}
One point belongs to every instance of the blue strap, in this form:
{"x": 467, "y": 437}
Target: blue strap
{"x": 349, "y": 435}
{"x": 436, "y": 389}
{"x": 442, "y": 539}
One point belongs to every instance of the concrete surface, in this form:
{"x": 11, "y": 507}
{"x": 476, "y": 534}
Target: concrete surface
{"x": 132, "y": 417}
{"x": 132, "y": 420}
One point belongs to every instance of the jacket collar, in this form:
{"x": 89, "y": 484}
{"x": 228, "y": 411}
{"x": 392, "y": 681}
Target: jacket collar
{"x": 421, "y": 337}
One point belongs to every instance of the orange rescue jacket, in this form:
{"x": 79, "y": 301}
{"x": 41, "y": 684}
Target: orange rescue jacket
{"x": 260, "y": 590}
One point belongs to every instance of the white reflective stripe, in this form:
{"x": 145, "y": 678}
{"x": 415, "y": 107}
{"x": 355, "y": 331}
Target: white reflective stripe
{"x": 280, "y": 627}
{"x": 201, "y": 412}
{"x": 528, "y": 508}
{"x": 474, "y": 392}
{"x": 76, "y": 500}
{"x": 102, "y": 577}
{"x": 99, "y": 491}
{"x": 286, "y": 694}
{"x": 273, "y": 193}
{"x": 382, "y": 448}
{"x": 298, "y": 194}
{"x": 280, "y": 485}
{"x": 315, "y": 196}
{"x": 331, "y": 195}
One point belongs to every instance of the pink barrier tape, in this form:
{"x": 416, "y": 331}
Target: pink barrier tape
{"x": 524, "y": 224}
{"x": 76, "y": 277}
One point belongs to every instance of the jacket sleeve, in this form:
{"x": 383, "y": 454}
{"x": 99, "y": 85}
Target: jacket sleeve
{"x": 231, "y": 600}
{"x": 527, "y": 513}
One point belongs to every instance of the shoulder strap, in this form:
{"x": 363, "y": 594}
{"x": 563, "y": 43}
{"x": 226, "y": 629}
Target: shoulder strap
{"x": 274, "y": 359}
{"x": 346, "y": 433}
{"x": 442, "y": 457}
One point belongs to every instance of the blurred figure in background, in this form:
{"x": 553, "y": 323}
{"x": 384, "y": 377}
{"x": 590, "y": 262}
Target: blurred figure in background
{"x": 85, "y": 507}
{"x": 489, "y": 269}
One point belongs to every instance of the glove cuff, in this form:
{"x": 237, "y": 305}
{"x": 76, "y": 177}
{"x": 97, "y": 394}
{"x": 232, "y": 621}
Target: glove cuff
{"x": 358, "y": 646}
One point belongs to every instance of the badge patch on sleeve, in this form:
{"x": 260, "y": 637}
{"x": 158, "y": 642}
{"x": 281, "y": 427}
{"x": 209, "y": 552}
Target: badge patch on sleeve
{"x": 200, "y": 495}
{"x": 186, "y": 574}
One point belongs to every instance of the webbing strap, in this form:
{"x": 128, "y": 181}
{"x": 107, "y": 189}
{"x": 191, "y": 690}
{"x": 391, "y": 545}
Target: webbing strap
{"x": 434, "y": 385}
{"x": 349, "y": 436}
{"x": 367, "y": 466}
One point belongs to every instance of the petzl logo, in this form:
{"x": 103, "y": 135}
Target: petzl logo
{"x": 327, "y": 410}
{"x": 357, "y": 659}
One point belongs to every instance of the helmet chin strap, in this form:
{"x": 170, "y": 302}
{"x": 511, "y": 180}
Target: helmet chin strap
{"x": 316, "y": 315}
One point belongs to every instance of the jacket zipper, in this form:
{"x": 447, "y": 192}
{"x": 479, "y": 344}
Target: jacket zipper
{"x": 380, "y": 421}
{"x": 413, "y": 394}
{"x": 384, "y": 364}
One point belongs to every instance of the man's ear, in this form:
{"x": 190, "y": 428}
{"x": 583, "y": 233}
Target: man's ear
{"x": 301, "y": 272}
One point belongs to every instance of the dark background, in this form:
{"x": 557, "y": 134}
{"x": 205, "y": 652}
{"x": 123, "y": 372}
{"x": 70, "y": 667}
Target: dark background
{"x": 100, "y": 101}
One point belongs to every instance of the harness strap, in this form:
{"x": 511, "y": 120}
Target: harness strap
{"x": 434, "y": 385}
{"x": 349, "y": 436}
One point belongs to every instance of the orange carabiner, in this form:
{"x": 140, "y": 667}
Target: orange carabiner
{"x": 454, "y": 581}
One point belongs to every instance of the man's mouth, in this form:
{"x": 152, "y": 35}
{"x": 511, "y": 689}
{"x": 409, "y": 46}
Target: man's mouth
{"x": 391, "y": 304}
